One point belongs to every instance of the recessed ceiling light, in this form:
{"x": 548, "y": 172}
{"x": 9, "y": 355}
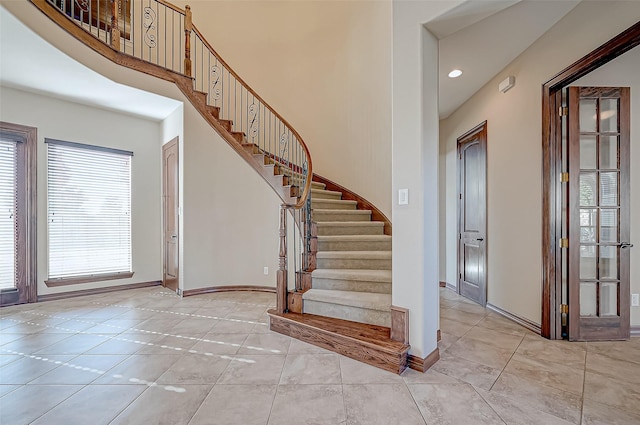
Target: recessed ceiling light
{"x": 455, "y": 73}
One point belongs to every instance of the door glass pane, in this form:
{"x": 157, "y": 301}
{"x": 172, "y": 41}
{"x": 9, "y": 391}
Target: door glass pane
{"x": 588, "y": 191}
{"x": 609, "y": 299}
{"x": 609, "y": 225}
{"x": 588, "y": 152}
{"x": 608, "y": 262}
{"x": 588, "y": 220}
{"x": 588, "y": 115}
{"x": 609, "y": 189}
{"x": 587, "y": 262}
{"x": 608, "y": 115}
{"x": 608, "y": 152}
{"x": 588, "y": 298}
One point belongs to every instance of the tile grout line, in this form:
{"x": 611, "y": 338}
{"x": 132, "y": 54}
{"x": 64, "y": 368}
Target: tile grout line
{"x": 508, "y": 361}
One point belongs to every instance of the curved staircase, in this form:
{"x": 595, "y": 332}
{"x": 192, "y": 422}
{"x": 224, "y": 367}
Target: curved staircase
{"x": 342, "y": 300}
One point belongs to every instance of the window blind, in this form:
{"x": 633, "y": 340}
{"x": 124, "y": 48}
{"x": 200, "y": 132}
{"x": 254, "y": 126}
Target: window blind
{"x": 8, "y": 194}
{"x": 89, "y": 210}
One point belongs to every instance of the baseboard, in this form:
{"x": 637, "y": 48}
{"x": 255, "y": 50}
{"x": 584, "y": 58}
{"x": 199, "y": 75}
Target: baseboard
{"x": 451, "y": 287}
{"x": 443, "y": 284}
{"x": 635, "y": 331}
{"x": 422, "y": 365}
{"x": 94, "y": 291}
{"x": 230, "y": 288}
{"x": 533, "y": 327}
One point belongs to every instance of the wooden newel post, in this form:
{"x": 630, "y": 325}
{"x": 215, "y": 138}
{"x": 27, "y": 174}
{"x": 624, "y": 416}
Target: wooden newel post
{"x": 115, "y": 29}
{"x": 188, "y": 27}
{"x": 282, "y": 275}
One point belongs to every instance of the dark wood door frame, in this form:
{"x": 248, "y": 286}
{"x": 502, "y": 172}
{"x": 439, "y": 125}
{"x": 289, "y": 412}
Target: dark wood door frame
{"x": 26, "y": 214}
{"x": 552, "y": 169}
{"x": 479, "y": 134}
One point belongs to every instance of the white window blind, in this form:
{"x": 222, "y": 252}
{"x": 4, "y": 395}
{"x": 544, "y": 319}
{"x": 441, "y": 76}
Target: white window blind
{"x": 8, "y": 193}
{"x": 89, "y": 210}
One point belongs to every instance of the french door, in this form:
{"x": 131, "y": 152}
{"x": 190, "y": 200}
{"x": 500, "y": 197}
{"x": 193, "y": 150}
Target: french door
{"x": 599, "y": 213}
{"x": 17, "y": 214}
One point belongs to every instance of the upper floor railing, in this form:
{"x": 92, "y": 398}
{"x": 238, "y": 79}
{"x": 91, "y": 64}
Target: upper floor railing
{"x": 163, "y": 34}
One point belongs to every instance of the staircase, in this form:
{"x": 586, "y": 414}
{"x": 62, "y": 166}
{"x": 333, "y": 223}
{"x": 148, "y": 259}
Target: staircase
{"x": 352, "y": 279}
{"x": 343, "y": 296}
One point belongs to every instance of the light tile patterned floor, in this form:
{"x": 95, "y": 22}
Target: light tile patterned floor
{"x": 148, "y": 357}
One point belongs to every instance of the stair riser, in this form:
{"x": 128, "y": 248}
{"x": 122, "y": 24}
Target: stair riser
{"x": 354, "y": 245}
{"x": 336, "y": 216}
{"x": 326, "y": 195}
{"x": 353, "y": 263}
{"x": 327, "y": 230}
{"x": 352, "y": 285}
{"x": 316, "y": 203}
{"x": 315, "y": 185}
{"x": 355, "y": 314}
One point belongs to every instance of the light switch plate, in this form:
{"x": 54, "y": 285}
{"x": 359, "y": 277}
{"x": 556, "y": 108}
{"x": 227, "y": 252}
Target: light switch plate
{"x": 635, "y": 300}
{"x": 403, "y": 197}
{"x": 266, "y": 270}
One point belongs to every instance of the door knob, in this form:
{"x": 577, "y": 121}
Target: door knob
{"x": 174, "y": 236}
{"x": 625, "y": 245}
{"x": 480, "y": 239}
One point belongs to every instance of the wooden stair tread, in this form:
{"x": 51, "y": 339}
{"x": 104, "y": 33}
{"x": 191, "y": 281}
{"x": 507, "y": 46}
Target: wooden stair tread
{"x": 374, "y": 336}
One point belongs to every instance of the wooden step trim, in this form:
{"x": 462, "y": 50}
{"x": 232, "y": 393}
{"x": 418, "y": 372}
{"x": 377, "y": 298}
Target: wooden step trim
{"x": 363, "y": 204}
{"x": 366, "y": 343}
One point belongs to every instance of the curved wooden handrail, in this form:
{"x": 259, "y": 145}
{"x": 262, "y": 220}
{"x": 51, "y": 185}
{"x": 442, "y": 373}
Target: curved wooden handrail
{"x": 176, "y": 76}
{"x": 307, "y": 188}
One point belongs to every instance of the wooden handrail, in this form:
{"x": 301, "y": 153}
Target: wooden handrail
{"x": 172, "y": 6}
{"x": 307, "y": 188}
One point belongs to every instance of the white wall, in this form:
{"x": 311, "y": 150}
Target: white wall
{"x": 62, "y": 120}
{"x": 415, "y": 167}
{"x": 230, "y": 215}
{"x": 325, "y": 66}
{"x": 514, "y": 153}
{"x": 624, "y": 72}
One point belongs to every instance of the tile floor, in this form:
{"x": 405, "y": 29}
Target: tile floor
{"x": 148, "y": 357}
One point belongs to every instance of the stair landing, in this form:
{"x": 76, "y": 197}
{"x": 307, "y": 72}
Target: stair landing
{"x": 370, "y": 344}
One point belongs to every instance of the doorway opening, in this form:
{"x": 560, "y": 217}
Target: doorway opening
{"x": 555, "y": 238}
{"x": 17, "y": 214}
{"x": 472, "y": 214}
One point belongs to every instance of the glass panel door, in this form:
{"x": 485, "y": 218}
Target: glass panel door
{"x": 599, "y": 211}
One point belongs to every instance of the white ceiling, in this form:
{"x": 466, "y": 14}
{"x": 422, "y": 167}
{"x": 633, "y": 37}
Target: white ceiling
{"x": 30, "y": 63}
{"x": 481, "y": 37}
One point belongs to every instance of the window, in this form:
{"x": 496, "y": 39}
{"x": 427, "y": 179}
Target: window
{"x": 89, "y": 213}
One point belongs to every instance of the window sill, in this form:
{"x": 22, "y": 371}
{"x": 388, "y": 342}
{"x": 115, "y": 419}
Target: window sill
{"x": 87, "y": 279}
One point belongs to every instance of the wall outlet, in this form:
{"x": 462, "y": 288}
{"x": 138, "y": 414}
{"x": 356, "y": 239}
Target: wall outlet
{"x": 266, "y": 270}
{"x": 635, "y": 300}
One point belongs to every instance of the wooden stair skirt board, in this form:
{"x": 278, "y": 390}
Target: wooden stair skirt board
{"x": 366, "y": 343}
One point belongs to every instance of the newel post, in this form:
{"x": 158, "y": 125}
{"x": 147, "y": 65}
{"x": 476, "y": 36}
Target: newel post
{"x": 115, "y": 29}
{"x": 281, "y": 283}
{"x": 188, "y": 27}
